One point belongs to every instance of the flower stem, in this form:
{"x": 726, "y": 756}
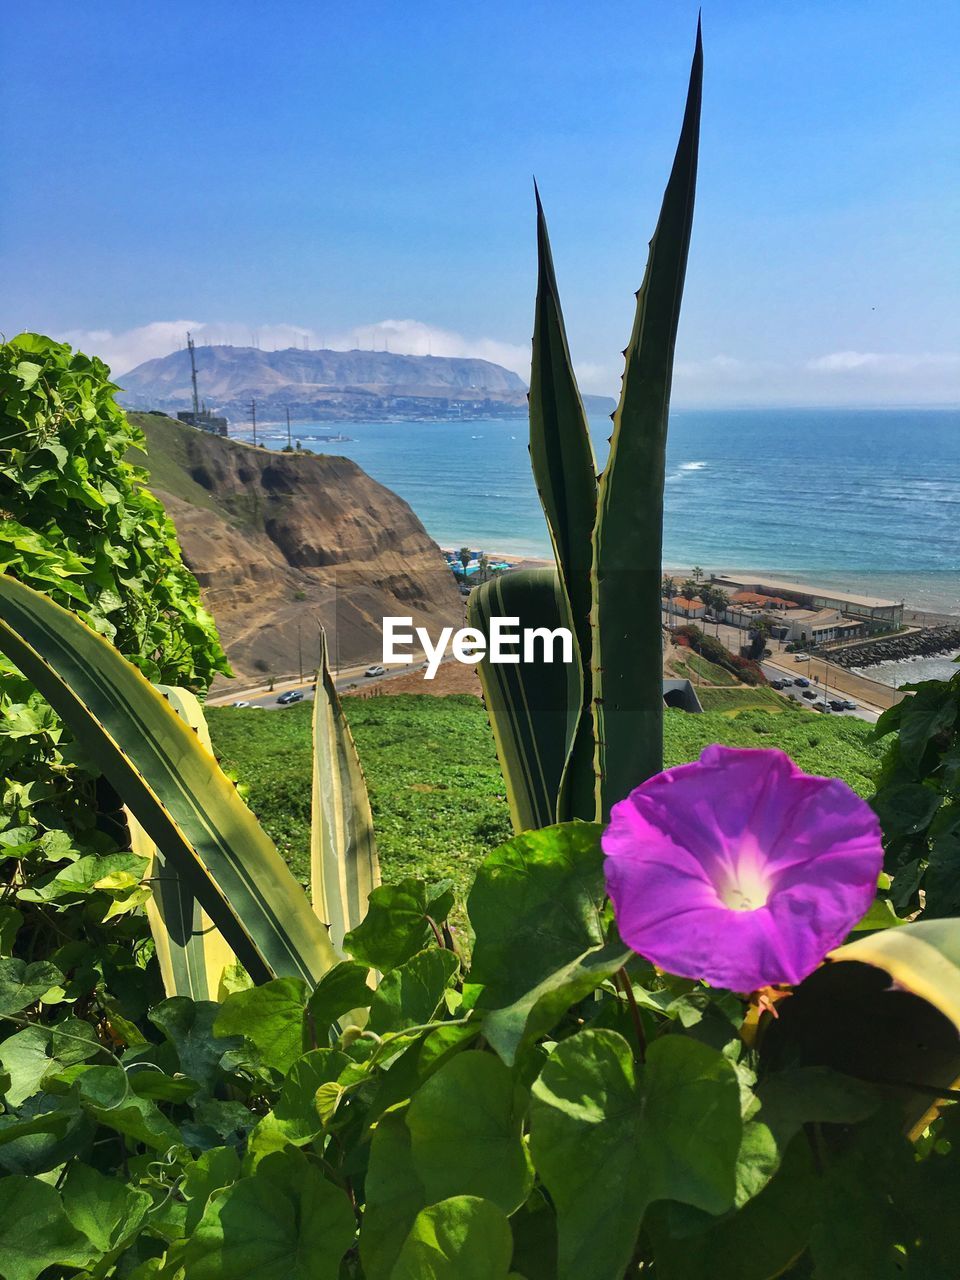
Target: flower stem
{"x": 626, "y": 986}
{"x": 436, "y": 932}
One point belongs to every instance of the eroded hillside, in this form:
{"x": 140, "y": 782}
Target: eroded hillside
{"x": 279, "y": 541}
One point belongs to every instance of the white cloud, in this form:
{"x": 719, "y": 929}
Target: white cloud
{"x": 598, "y": 379}
{"x": 837, "y": 378}
{"x": 892, "y": 363}
{"x": 126, "y": 349}
{"x": 123, "y": 351}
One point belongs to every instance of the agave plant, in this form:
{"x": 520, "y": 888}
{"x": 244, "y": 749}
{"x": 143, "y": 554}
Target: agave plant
{"x": 222, "y": 891}
{"x": 572, "y": 743}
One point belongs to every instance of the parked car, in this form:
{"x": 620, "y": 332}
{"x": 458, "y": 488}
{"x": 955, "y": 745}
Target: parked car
{"x": 242, "y": 703}
{"x": 776, "y": 684}
{"x": 821, "y": 706}
{"x": 292, "y": 695}
{"x": 849, "y": 704}
{"x": 837, "y": 704}
{"x": 786, "y": 681}
{"x": 375, "y": 670}
{"x": 801, "y": 657}
{"x": 802, "y": 682}
{"x": 810, "y": 695}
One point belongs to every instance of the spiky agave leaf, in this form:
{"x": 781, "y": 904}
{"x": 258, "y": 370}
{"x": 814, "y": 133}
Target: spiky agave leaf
{"x": 564, "y": 469}
{"x": 628, "y": 537}
{"x": 192, "y": 952}
{"x": 343, "y": 852}
{"x": 174, "y": 787}
{"x": 883, "y": 1008}
{"x": 534, "y": 707}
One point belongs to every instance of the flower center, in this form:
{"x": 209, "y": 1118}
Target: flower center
{"x": 746, "y": 888}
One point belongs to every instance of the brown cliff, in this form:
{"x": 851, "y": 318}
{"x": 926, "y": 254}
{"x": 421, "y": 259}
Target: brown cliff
{"x": 279, "y": 541}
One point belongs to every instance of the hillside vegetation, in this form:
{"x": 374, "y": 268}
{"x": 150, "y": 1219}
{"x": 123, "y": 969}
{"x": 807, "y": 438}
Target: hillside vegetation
{"x": 435, "y": 785}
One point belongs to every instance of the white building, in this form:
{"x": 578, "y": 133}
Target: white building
{"x": 820, "y": 626}
{"x": 689, "y": 610}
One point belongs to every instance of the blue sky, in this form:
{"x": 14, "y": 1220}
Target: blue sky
{"x": 328, "y": 169}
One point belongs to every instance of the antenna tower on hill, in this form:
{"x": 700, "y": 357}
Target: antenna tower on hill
{"x": 193, "y": 376}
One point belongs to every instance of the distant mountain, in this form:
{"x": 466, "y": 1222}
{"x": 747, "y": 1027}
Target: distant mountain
{"x": 330, "y": 385}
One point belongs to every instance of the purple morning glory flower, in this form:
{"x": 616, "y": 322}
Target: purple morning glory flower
{"x": 740, "y": 869}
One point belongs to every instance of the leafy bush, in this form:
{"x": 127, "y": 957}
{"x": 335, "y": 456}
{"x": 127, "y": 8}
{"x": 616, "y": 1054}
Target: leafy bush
{"x": 78, "y": 525}
{"x": 555, "y": 1109}
{"x": 745, "y": 669}
{"x": 918, "y": 797}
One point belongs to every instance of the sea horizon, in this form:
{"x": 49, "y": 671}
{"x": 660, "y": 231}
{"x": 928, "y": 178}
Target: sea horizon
{"x": 869, "y": 503}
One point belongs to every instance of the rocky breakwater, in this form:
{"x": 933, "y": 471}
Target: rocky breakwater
{"x": 280, "y": 541}
{"x": 913, "y": 644}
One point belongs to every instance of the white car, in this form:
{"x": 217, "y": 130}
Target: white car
{"x": 375, "y": 671}
{"x": 242, "y": 703}
{"x": 801, "y": 657}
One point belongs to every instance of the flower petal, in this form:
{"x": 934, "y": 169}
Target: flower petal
{"x": 740, "y": 869}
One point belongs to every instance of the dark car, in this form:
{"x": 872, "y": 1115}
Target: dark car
{"x": 776, "y": 684}
{"x": 292, "y": 695}
{"x": 809, "y": 694}
{"x": 802, "y": 681}
{"x": 837, "y": 704}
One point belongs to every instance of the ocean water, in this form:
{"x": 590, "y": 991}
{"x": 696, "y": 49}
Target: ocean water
{"x": 866, "y": 500}
{"x": 938, "y": 666}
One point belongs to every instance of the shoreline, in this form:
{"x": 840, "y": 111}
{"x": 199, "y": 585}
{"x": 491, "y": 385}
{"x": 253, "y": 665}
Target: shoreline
{"x": 519, "y": 559}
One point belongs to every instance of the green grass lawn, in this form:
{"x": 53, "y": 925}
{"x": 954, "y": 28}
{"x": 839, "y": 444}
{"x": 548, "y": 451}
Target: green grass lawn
{"x": 735, "y": 701}
{"x": 435, "y": 785}
{"x": 693, "y": 667}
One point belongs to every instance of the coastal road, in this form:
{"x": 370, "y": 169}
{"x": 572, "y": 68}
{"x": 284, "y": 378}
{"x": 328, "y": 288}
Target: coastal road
{"x": 777, "y": 673}
{"x": 267, "y": 698}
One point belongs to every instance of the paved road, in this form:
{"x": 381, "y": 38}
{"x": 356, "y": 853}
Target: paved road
{"x": 773, "y": 673}
{"x": 268, "y": 699}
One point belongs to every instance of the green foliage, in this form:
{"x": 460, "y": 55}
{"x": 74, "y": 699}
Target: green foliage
{"x": 628, "y": 535}
{"x": 834, "y": 747}
{"x": 558, "y": 1106}
{"x": 536, "y": 708}
{"x": 918, "y": 797}
{"x": 695, "y": 668}
{"x": 462, "y": 1238}
{"x": 436, "y": 789}
{"x": 343, "y": 853}
{"x": 170, "y": 784}
{"x": 610, "y": 1138}
{"x": 435, "y": 786}
{"x": 746, "y": 669}
{"x": 77, "y": 524}
{"x": 565, "y": 472}
{"x": 286, "y": 1222}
